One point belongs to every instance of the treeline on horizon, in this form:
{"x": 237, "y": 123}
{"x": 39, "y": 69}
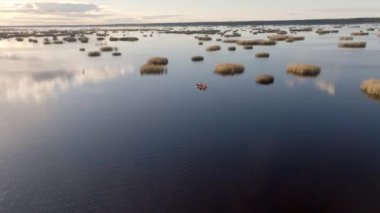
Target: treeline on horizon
{"x": 234, "y": 23}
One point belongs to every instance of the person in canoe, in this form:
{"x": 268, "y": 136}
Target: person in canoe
{"x": 201, "y": 86}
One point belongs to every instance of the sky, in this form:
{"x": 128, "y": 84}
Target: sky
{"x": 41, "y": 12}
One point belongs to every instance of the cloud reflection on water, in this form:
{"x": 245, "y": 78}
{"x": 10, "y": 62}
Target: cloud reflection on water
{"x": 325, "y": 86}
{"x": 38, "y": 86}
{"x": 322, "y": 85}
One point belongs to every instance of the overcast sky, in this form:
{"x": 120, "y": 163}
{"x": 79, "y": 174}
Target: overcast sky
{"x": 18, "y": 12}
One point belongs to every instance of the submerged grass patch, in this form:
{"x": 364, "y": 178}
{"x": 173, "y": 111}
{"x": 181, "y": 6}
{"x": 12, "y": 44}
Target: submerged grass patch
{"x": 303, "y": 69}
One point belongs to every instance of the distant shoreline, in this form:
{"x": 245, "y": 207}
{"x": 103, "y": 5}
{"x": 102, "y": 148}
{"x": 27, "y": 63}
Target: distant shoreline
{"x": 225, "y": 23}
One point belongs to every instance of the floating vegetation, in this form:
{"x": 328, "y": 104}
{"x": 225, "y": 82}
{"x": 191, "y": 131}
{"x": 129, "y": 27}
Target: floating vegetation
{"x": 158, "y": 61}
{"x": 106, "y": 49}
{"x": 129, "y": 39}
{"x": 232, "y": 48}
{"x": 33, "y": 40}
{"x": 230, "y": 41}
{"x": 82, "y": 49}
{"x": 264, "y": 79}
{"x": 303, "y": 29}
{"x": 352, "y": 44}
{"x": 229, "y": 69}
{"x": 278, "y": 37}
{"x": 205, "y": 38}
{"x": 346, "y": 38}
{"x": 197, "y": 58}
{"x": 256, "y": 42}
{"x": 114, "y": 39}
{"x": 200, "y": 43}
{"x": 152, "y": 69}
{"x": 19, "y": 39}
{"x": 262, "y": 55}
{"x": 248, "y": 47}
{"x": 83, "y": 39}
{"x": 94, "y": 54}
{"x": 361, "y": 33}
{"x": 213, "y": 48}
{"x": 303, "y": 69}
{"x": 70, "y": 39}
{"x": 57, "y": 42}
{"x": 116, "y": 54}
{"x": 371, "y": 87}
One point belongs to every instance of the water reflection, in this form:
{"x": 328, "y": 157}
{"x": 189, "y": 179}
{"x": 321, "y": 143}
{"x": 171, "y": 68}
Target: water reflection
{"x": 14, "y": 57}
{"x": 322, "y": 85}
{"x": 297, "y": 81}
{"x": 38, "y": 86}
{"x": 325, "y": 86}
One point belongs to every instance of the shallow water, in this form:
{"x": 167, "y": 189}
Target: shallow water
{"x": 80, "y": 134}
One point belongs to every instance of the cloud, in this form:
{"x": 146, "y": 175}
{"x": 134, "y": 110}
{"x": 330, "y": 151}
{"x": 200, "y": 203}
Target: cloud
{"x": 53, "y": 7}
{"x": 71, "y": 12}
{"x": 349, "y": 10}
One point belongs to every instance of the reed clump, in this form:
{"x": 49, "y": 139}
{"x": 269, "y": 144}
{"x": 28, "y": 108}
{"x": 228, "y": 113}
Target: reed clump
{"x": 361, "y": 33}
{"x": 94, "y": 54}
{"x": 152, "y": 69}
{"x": 232, "y": 48}
{"x": 230, "y": 41}
{"x": 352, "y": 44}
{"x": 256, "y": 42}
{"x": 303, "y": 69}
{"x": 197, "y": 58}
{"x": 129, "y": 39}
{"x": 229, "y": 69}
{"x": 70, "y": 39}
{"x": 205, "y": 38}
{"x": 264, "y": 79}
{"x": 213, "y": 48}
{"x": 262, "y": 55}
{"x": 371, "y": 87}
{"x": 106, "y": 49}
{"x": 346, "y": 38}
{"x": 158, "y": 61}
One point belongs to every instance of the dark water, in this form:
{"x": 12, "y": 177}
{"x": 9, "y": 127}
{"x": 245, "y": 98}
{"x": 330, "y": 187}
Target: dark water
{"x": 110, "y": 140}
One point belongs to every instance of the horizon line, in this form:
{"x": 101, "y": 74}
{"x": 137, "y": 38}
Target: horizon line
{"x": 324, "y": 21}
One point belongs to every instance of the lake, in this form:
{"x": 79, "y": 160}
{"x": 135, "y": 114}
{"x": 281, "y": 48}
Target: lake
{"x": 83, "y": 134}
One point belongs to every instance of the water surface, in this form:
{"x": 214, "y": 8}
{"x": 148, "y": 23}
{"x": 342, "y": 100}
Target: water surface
{"x": 80, "y": 134}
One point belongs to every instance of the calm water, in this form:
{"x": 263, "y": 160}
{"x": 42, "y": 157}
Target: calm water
{"x": 80, "y": 134}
